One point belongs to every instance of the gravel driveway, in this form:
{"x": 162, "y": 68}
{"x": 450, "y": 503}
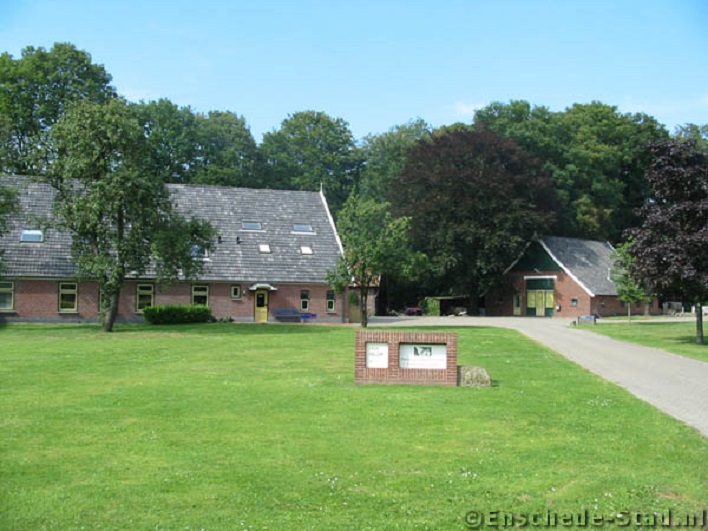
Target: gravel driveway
{"x": 674, "y": 384}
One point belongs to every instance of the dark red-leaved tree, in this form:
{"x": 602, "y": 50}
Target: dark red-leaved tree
{"x": 474, "y": 199}
{"x": 670, "y": 249}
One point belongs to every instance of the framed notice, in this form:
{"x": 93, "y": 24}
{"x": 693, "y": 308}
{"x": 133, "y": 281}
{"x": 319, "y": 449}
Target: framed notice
{"x": 422, "y": 356}
{"x": 377, "y": 355}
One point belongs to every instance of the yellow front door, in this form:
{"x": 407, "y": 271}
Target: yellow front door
{"x": 262, "y": 306}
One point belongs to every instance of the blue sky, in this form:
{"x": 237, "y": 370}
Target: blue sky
{"x": 378, "y": 64}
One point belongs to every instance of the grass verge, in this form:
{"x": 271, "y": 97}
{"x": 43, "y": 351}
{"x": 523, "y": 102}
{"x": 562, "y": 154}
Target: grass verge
{"x": 261, "y": 427}
{"x": 679, "y": 337}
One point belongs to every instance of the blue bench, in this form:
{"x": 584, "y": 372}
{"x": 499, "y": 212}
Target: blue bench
{"x": 307, "y": 316}
{"x": 287, "y": 315}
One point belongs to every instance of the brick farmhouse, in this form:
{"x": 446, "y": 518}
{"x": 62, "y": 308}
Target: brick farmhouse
{"x": 273, "y": 252}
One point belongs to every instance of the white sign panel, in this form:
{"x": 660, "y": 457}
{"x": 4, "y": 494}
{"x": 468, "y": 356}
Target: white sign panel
{"x": 377, "y": 355}
{"x": 414, "y": 356}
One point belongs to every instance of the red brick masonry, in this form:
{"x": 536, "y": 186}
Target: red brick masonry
{"x": 396, "y": 375}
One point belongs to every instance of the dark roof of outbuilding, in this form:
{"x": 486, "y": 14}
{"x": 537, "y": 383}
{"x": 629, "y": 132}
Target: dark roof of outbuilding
{"x": 236, "y": 256}
{"x": 588, "y": 262}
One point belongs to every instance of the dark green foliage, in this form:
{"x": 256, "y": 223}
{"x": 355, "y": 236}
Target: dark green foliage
{"x": 594, "y": 155}
{"x": 120, "y": 217}
{"x": 374, "y": 243}
{"x": 35, "y": 91}
{"x": 178, "y": 314}
{"x": 385, "y": 157}
{"x": 311, "y": 150}
{"x": 8, "y": 206}
{"x": 670, "y": 249}
{"x": 228, "y": 154}
{"x": 474, "y": 199}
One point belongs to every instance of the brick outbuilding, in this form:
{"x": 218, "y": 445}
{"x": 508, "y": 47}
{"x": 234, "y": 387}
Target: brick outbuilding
{"x": 562, "y": 277}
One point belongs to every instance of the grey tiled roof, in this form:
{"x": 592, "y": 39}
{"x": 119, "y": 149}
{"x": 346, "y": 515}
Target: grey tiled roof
{"x": 587, "y": 261}
{"x": 236, "y": 255}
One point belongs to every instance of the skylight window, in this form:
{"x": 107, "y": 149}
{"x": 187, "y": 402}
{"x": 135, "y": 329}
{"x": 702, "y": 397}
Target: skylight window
{"x": 251, "y": 225}
{"x": 199, "y": 252}
{"x": 264, "y": 248}
{"x": 32, "y": 236}
{"x": 306, "y": 249}
{"x": 302, "y": 227}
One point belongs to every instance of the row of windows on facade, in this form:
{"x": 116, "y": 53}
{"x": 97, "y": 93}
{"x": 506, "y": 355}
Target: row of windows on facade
{"x": 145, "y": 296}
{"x": 37, "y": 235}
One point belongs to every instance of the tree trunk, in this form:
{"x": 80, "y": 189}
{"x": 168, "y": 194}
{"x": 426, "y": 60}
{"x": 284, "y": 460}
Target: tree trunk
{"x": 629, "y": 313}
{"x": 111, "y": 312}
{"x": 363, "y": 296}
{"x": 699, "y": 323}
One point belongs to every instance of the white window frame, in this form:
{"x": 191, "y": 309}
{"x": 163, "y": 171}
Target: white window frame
{"x": 236, "y": 292}
{"x": 304, "y": 300}
{"x": 303, "y": 228}
{"x": 199, "y": 253}
{"x": 8, "y": 287}
{"x": 30, "y": 236}
{"x": 144, "y": 289}
{"x": 259, "y": 227}
{"x": 204, "y": 293}
{"x": 64, "y": 289}
{"x": 331, "y": 301}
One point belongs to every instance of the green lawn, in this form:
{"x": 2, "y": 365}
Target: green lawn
{"x": 261, "y": 427}
{"x": 678, "y": 337}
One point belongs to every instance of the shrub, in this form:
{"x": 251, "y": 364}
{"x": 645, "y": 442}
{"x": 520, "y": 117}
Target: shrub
{"x": 178, "y": 314}
{"x": 431, "y": 306}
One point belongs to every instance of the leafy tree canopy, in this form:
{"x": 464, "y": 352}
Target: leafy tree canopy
{"x": 311, "y": 150}
{"x": 594, "y": 155}
{"x": 474, "y": 199}
{"x": 385, "y": 156}
{"x": 374, "y": 244}
{"x": 228, "y": 154}
{"x": 670, "y": 248}
{"x": 629, "y": 290}
{"x": 120, "y": 217}
{"x": 35, "y": 91}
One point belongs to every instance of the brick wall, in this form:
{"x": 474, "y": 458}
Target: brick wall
{"x": 38, "y": 300}
{"x": 394, "y": 374}
{"x": 566, "y": 290}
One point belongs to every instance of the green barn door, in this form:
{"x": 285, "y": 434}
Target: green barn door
{"x": 540, "y": 300}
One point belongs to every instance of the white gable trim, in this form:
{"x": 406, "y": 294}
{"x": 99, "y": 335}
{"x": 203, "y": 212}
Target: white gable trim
{"x": 564, "y": 268}
{"x": 331, "y": 221}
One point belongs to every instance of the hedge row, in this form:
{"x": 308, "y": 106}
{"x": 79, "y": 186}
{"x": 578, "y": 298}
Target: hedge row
{"x": 178, "y": 314}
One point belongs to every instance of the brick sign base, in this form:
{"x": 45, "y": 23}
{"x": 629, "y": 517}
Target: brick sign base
{"x": 389, "y": 355}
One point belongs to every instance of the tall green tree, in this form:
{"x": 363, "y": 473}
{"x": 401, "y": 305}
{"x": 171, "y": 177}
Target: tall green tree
{"x": 374, "y": 243}
{"x": 474, "y": 199}
{"x": 310, "y": 150}
{"x": 385, "y": 156}
{"x": 629, "y": 290}
{"x": 699, "y": 133}
{"x": 120, "y": 217}
{"x": 35, "y": 91}
{"x": 594, "y": 155}
{"x": 228, "y": 154}
{"x": 171, "y": 134}
{"x": 670, "y": 249}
